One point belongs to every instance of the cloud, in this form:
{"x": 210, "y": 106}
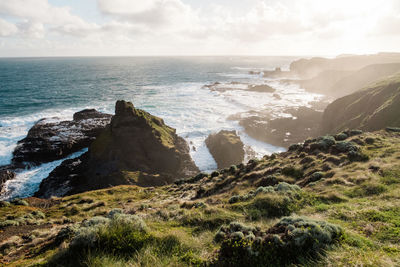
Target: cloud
{"x": 37, "y": 15}
{"x": 7, "y": 28}
{"x": 175, "y": 26}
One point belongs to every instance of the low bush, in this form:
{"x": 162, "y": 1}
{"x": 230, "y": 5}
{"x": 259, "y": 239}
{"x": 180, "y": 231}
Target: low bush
{"x": 293, "y": 172}
{"x": 290, "y": 241}
{"x": 19, "y": 202}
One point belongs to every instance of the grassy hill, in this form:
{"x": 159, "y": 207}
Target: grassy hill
{"x": 374, "y": 107}
{"x": 338, "y": 83}
{"x": 332, "y": 201}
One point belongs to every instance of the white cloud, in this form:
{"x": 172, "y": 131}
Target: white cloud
{"x": 176, "y": 27}
{"x": 35, "y": 15}
{"x": 7, "y": 29}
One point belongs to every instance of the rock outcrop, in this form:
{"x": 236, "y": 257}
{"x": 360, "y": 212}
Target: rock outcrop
{"x": 136, "y": 148}
{"x": 304, "y": 123}
{"x": 5, "y": 175}
{"x": 372, "y": 108}
{"x": 50, "y": 140}
{"x": 263, "y": 88}
{"x": 226, "y": 148}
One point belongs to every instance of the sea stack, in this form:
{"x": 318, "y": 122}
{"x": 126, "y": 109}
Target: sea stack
{"x": 226, "y": 148}
{"x": 136, "y": 148}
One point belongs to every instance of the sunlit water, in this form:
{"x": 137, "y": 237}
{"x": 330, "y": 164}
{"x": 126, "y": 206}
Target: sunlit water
{"x": 172, "y": 88}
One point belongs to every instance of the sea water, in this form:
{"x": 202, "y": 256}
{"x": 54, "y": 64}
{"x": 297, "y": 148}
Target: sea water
{"x": 168, "y": 87}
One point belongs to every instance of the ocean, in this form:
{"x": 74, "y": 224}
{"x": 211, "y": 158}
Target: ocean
{"x": 168, "y": 87}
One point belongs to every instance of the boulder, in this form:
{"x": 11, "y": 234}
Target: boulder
{"x": 50, "y": 140}
{"x": 137, "y": 148}
{"x": 226, "y": 148}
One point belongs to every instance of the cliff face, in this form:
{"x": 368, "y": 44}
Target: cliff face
{"x": 338, "y": 83}
{"x": 372, "y": 108}
{"x": 138, "y": 141}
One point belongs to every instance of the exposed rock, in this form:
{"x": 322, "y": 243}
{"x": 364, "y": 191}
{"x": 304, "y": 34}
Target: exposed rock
{"x": 136, "y": 148}
{"x": 226, "y": 148}
{"x": 5, "y": 175}
{"x": 63, "y": 179}
{"x": 263, "y": 88}
{"x": 284, "y": 131}
{"x": 278, "y": 73}
{"x": 48, "y": 140}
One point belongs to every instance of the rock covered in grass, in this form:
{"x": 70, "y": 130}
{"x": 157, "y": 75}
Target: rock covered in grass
{"x": 226, "y": 148}
{"x": 136, "y": 148}
{"x": 287, "y": 242}
{"x": 50, "y": 139}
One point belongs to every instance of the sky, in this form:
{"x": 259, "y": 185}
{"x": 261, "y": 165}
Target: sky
{"x": 197, "y": 27}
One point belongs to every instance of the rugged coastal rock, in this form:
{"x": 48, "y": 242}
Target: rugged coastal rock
{"x": 373, "y": 108}
{"x": 304, "y": 123}
{"x": 226, "y": 148}
{"x": 5, "y": 175}
{"x": 263, "y": 88}
{"x": 48, "y": 140}
{"x": 136, "y": 148}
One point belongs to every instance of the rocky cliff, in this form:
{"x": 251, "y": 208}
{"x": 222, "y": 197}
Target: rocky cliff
{"x": 374, "y": 107}
{"x": 136, "y": 148}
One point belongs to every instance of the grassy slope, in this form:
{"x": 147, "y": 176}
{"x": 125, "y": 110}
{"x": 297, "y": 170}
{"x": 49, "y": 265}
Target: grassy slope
{"x": 362, "y": 200}
{"x": 371, "y": 108}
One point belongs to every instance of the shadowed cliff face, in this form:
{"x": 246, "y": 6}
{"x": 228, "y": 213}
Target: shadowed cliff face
{"x": 372, "y": 108}
{"x": 138, "y": 141}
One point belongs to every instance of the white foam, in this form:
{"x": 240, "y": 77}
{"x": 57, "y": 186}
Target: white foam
{"x": 27, "y": 182}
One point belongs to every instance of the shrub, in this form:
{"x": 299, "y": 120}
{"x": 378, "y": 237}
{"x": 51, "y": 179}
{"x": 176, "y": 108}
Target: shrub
{"x": 354, "y": 132}
{"x": 73, "y": 210}
{"x": 293, "y": 172}
{"x": 323, "y": 143}
{"x": 4, "y": 204}
{"x": 114, "y": 212}
{"x": 234, "y": 199}
{"x": 346, "y": 146}
{"x": 38, "y": 214}
{"x": 316, "y": 176}
{"x": 367, "y": 189}
{"x": 98, "y": 220}
{"x": 19, "y": 202}
{"x": 215, "y": 174}
{"x": 295, "y": 147}
{"x": 233, "y": 169}
{"x": 285, "y": 187}
{"x": 7, "y": 223}
{"x": 357, "y": 156}
{"x": 290, "y": 241}
{"x": 272, "y": 205}
{"x": 341, "y": 136}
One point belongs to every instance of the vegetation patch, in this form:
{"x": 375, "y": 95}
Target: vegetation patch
{"x": 292, "y": 240}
